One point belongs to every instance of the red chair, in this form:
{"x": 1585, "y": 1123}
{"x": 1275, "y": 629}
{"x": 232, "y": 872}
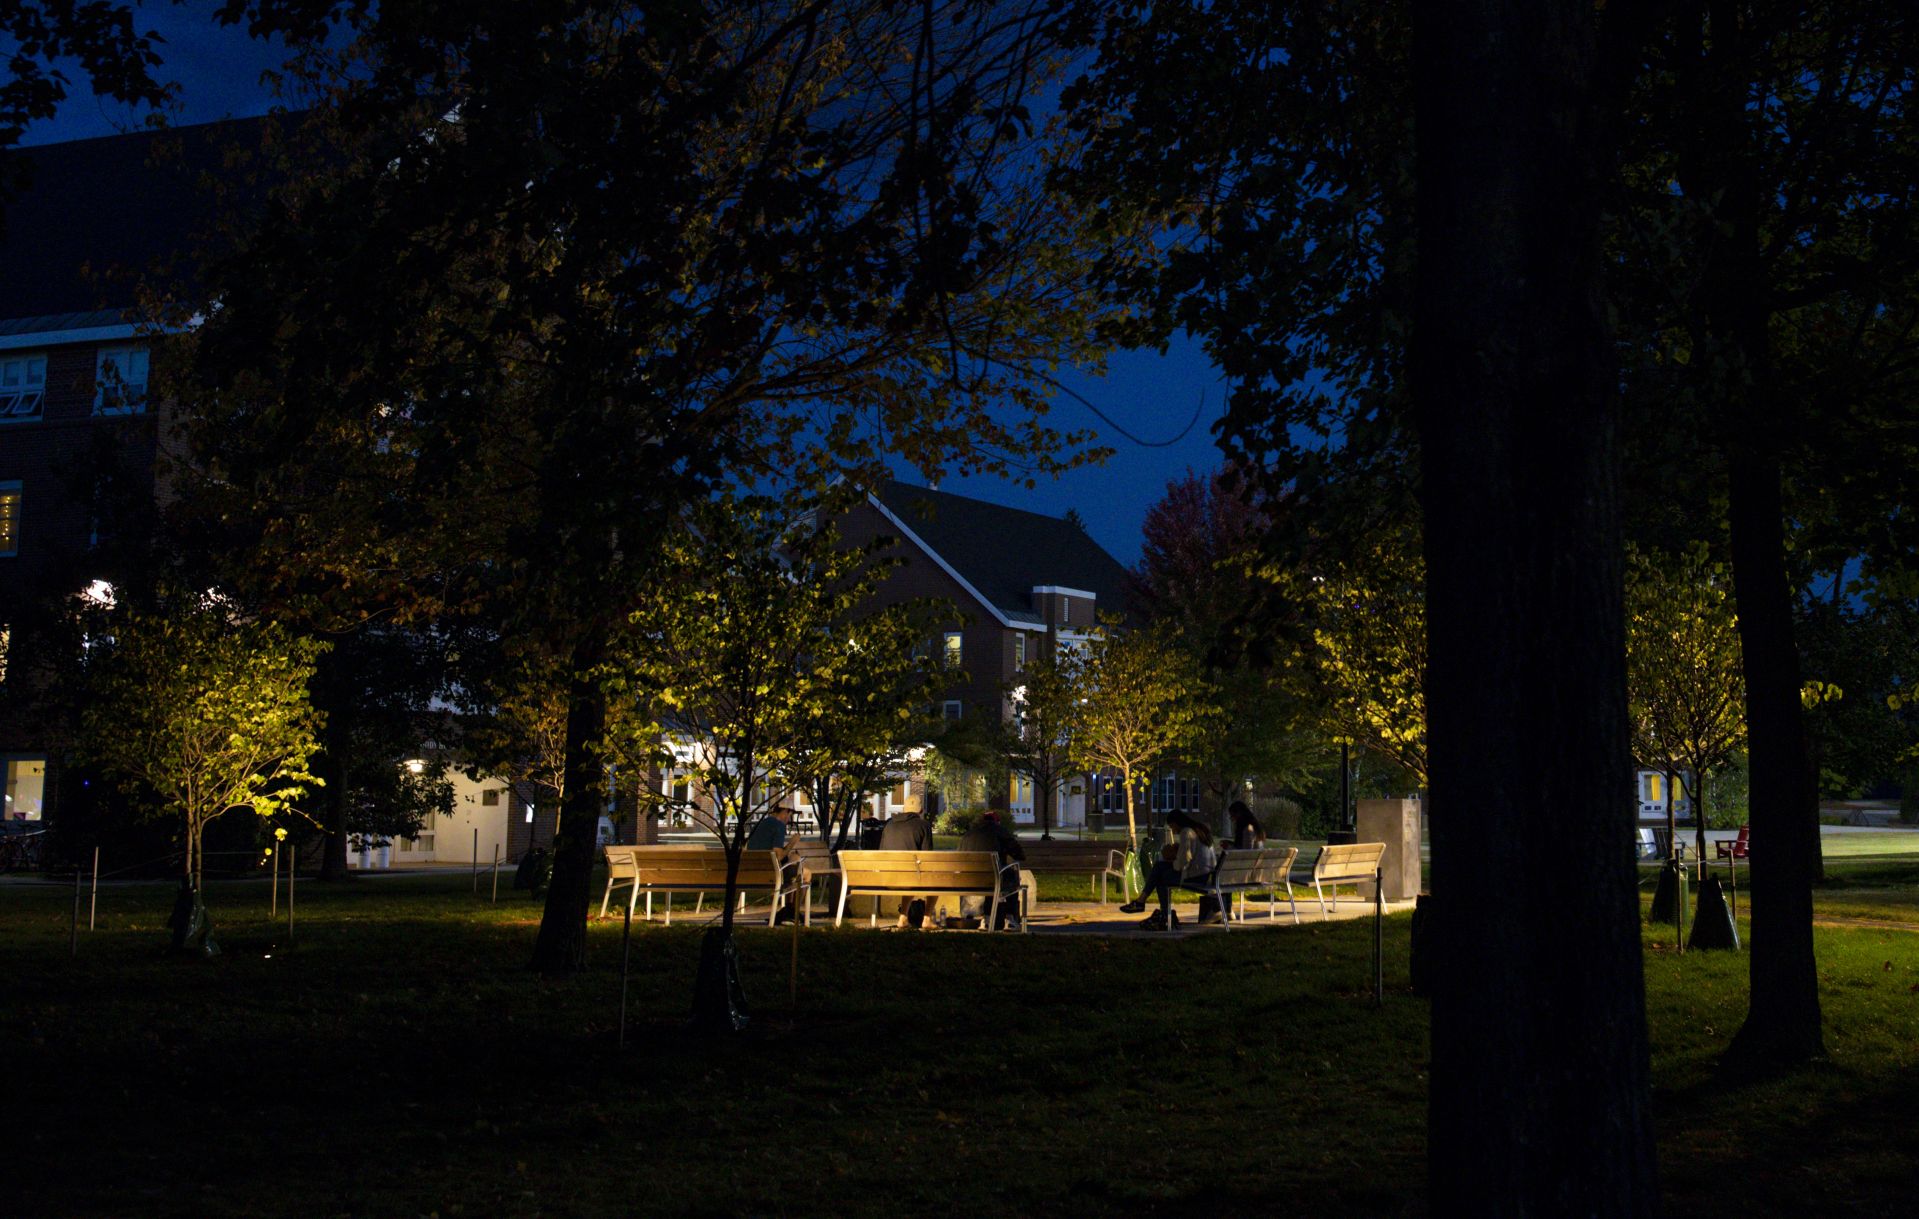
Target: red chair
{"x": 1730, "y": 853}
{"x": 1738, "y": 848}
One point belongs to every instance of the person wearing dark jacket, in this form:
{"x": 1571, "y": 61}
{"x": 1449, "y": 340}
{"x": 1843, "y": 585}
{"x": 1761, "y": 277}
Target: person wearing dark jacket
{"x": 908, "y": 831}
{"x": 990, "y": 834}
{"x": 1247, "y": 831}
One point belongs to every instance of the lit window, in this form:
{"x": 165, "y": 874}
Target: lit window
{"x": 1654, "y": 789}
{"x": 26, "y": 788}
{"x": 955, "y": 649}
{"x": 426, "y": 842}
{"x": 23, "y": 385}
{"x": 1019, "y": 650}
{"x": 9, "y": 518}
{"x": 120, "y": 381}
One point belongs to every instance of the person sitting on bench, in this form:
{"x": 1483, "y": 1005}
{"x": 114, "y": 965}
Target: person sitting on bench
{"x": 1191, "y": 858}
{"x": 989, "y": 834}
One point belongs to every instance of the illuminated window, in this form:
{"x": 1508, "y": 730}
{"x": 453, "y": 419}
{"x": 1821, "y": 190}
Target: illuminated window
{"x": 120, "y": 381}
{"x": 26, "y": 788}
{"x": 426, "y": 842}
{"x": 1655, "y": 788}
{"x": 955, "y": 649}
{"x": 23, "y": 385}
{"x": 1019, "y": 650}
{"x": 9, "y": 518}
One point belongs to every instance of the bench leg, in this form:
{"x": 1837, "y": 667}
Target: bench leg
{"x": 841, "y": 913}
{"x": 669, "y": 907}
{"x": 649, "y": 903}
{"x": 1322, "y": 897}
{"x": 699, "y": 901}
{"x": 992, "y": 913}
{"x": 632, "y": 900}
{"x": 606, "y": 896}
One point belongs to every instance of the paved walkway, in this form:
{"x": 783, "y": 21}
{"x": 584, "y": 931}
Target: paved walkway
{"x": 1104, "y": 919}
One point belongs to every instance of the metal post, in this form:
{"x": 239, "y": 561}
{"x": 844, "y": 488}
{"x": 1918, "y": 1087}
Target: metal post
{"x": 496, "y": 873}
{"x": 273, "y": 906}
{"x": 1379, "y": 933}
{"x": 626, "y": 955}
{"x": 73, "y": 933}
{"x": 476, "y": 861}
{"x": 1345, "y": 782}
{"x": 293, "y": 860}
{"x": 793, "y": 976}
{"x": 93, "y": 905}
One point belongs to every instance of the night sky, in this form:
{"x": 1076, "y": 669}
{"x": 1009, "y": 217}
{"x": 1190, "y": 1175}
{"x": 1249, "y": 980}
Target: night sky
{"x": 1153, "y": 397}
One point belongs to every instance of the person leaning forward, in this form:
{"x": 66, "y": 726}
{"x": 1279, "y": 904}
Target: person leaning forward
{"x": 908, "y": 831}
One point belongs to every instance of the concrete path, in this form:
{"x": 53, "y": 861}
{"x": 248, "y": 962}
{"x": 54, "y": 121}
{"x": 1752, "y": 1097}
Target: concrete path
{"x": 1104, "y": 919}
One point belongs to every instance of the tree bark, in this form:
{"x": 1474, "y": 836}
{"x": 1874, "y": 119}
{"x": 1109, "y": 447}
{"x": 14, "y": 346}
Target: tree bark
{"x": 333, "y": 850}
{"x": 1539, "y": 1094}
{"x": 1782, "y": 1020}
{"x": 561, "y": 945}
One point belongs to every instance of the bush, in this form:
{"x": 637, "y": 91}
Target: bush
{"x": 1280, "y": 815}
{"x": 957, "y": 821}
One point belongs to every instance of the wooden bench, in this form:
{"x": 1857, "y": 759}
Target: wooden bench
{"x": 686, "y": 869}
{"x": 1259, "y": 870}
{"x": 1095, "y": 859}
{"x": 808, "y": 859}
{"x": 920, "y": 874}
{"x": 1345, "y": 863}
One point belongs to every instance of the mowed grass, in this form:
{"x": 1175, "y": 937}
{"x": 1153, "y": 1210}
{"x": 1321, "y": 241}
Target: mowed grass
{"x": 400, "y": 1060}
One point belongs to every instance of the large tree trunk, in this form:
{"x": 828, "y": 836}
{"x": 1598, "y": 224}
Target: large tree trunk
{"x": 333, "y": 849}
{"x": 1782, "y": 1021}
{"x": 1539, "y": 1095}
{"x": 561, "y": 946}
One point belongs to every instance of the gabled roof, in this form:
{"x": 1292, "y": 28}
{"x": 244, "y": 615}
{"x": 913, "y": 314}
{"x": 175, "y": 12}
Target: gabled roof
{"x": 1005, "y": 553}
{"x": 116, "y": 205}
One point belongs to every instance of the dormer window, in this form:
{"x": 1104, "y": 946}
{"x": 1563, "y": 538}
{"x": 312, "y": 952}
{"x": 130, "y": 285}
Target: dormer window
{"x": 120, "y": 381}
{"x": 23, "y": 385}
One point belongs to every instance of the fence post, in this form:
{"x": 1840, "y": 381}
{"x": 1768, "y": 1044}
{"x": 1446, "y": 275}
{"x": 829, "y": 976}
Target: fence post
{"x": 273, "y": 905}
{"x": 73, "y": 933}
{"x": 293, "y": 869}
{"x": 93, "y": 905}
{"x": 626, "y": 954}
{"x": 496, "y": 873}
{"x": 1379, "y": 934}
{"x": 476, "y": 861}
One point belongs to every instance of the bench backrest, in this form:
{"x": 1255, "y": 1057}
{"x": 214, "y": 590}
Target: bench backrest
{"x": 619, "y": 863}
{"x": 1348, "y": 861}
{"x": 810, "y": 853}
{"x": 1066, "y": 856}
{"x": 1261, "y": 866}
{"x": 691, "y": 867}
{"x": 920, "y": 871}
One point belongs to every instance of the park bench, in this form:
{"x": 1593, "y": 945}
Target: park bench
{"x": 1259, "y": 870}
{"x": 1095, "y": 859}
{"x": 808, "y": 859}
{"x": 1345, "y": 863}
{"x": 686, "y": 869}
{"x": 920, "y": 874}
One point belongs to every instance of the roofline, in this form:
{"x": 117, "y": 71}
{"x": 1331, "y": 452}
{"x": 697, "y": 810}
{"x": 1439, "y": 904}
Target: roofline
{"x": 79, "y": 334}
{"x": 1064, "y": 591}
{"x": 907, "y": 532}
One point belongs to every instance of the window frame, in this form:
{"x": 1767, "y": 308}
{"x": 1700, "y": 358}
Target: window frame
{"x": 18, "y": 489}
{"x": 953, "y": 649}
{"x": 123, "y": 409}
{"x": 953, "y": 709}
{"x": 7, "y": 413}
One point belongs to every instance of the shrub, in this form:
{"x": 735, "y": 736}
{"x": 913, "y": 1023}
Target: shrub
{"x": 957, "y": 821}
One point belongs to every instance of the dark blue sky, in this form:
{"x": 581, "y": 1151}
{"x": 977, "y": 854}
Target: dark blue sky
{"x": 217, "y": 71}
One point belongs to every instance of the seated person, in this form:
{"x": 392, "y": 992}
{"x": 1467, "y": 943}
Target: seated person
{"x": 770, "y": 833}
{"x": 1247, "y": 831}
{"x": 1188, "y": 860}
{"x": 908, "y": 831}
{"x": 990, "y": 834}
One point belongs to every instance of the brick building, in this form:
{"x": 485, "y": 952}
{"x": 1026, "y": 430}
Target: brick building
{"x": 78, "y": 432}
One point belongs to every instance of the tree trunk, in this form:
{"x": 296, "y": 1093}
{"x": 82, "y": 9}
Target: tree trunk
{"x": 1132, "y": 825}
{"x": 561, "y": 945}
{"x": 333, "y": 851}
{"x": 1783, "y": 1020}
{"x": 1539, "y": 1093}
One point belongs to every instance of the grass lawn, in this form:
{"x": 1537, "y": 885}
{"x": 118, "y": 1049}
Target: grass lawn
{"x": 400, "y": 1061}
